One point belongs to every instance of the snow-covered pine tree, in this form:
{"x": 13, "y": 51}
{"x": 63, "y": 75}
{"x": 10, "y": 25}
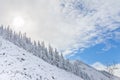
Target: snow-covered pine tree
{"x": 56, "y": 58}
{"x": 62, "y": 61}
{"x": 51, "y": 54}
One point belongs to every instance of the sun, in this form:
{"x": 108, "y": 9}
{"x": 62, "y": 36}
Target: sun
{"x": 18, "y": 21}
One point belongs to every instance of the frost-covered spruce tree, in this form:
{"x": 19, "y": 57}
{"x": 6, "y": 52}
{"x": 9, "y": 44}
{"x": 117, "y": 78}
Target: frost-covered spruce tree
{"x": 76, "y": 68}
{"x": 1, "y": 30}
{"x": 39, "y": 49}
{"x": 62, "y": 61}
{"x": 51, "y": 53}
{"x": 43, "y": 50}
{"x": 56, "y": 58}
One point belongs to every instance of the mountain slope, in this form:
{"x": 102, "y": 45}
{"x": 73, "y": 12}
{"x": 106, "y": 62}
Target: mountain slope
{"x": 17, "y": 64}
{"x": 95, "y": 74}
{"x": 117, "y": 71}
{"x": 115, "y": 68}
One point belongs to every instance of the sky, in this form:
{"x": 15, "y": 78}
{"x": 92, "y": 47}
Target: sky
{"x": 88, "y": 30}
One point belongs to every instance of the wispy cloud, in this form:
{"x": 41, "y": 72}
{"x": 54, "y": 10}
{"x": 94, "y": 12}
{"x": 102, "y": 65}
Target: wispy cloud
{"x": 68, "y": 25}
{"x": 97, "y": 21}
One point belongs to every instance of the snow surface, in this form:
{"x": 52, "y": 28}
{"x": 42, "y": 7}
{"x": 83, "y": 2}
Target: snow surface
{"x": 95, "y": 74}
{"x": 18, "y": 64}
{"x": 117, "y": 71}
{"x": 101, "y": 67}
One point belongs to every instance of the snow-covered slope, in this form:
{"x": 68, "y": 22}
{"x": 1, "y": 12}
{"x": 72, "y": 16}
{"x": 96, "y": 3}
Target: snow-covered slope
{"x": 95, "y": 74}
{"x": 17, "y": 64}
{"x": 115, "y": 68}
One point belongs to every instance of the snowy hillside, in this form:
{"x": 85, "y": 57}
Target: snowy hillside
{"x": 117, "y": 71}
{"x": 17, "y": 64}
{"x": 101, "y": 67}
{"x": 22, "y": 59}
{"x": 93, "y": 73}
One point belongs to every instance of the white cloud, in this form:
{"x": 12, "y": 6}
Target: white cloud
{"x": 117, "y": 36}
{"x": 108, "y": 46}
{"x": 68, "y": 27}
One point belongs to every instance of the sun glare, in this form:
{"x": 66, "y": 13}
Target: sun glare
{"x": 18, "y": 21}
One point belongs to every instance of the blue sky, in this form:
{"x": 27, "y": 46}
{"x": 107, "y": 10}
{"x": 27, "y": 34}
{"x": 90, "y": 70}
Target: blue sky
{"x": 99, "y": 53}
{"x": 106, "y": 53}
